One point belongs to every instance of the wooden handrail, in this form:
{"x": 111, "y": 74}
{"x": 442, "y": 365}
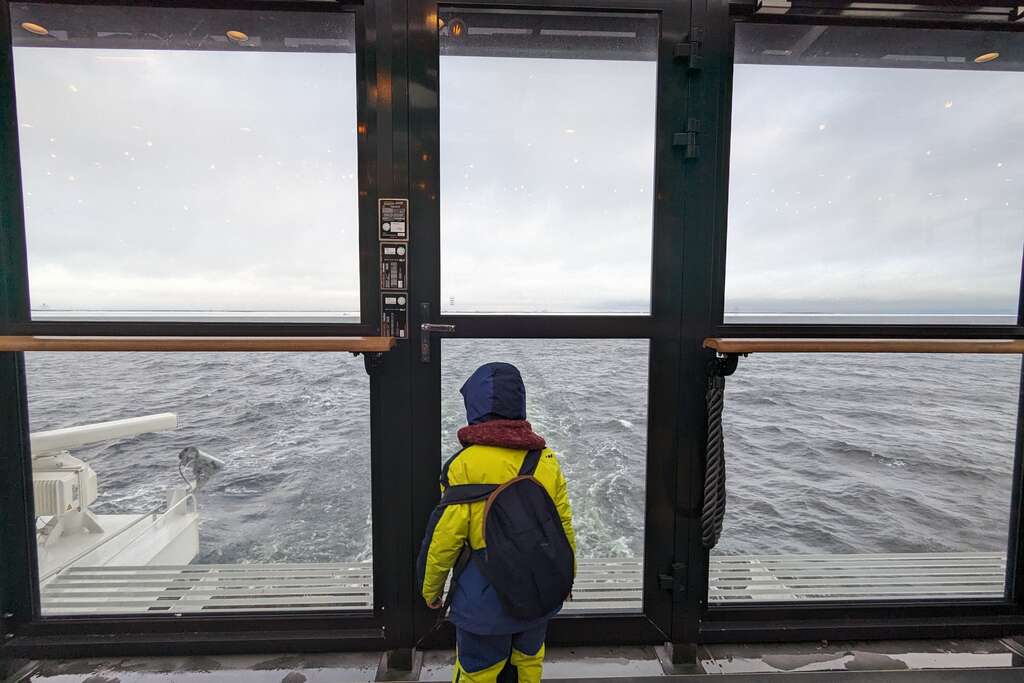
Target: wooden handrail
{"x": 751, "y": 345}
{"x": 286, "y": 344}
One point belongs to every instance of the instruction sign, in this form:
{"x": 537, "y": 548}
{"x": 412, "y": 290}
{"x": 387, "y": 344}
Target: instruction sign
{"x": 394, "y": 310}
{"x": 394, "y": 265}
{"x": 394, "y": 219}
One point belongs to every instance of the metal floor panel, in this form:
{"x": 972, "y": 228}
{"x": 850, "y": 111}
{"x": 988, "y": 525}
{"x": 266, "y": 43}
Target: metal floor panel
{"x": 602, "y": 585}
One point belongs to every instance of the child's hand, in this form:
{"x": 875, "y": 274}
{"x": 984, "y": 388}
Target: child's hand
{"x": 436, "y": 604}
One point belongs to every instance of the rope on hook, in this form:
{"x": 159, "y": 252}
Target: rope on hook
{"x": 713, "y": 511}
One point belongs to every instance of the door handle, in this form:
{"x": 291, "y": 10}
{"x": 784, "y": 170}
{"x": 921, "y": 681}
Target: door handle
{"x": 427, "y": 329}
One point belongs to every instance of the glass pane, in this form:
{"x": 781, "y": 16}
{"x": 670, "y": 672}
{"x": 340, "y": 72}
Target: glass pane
{"x": 872, "y": 179}
{"x": 858, "y": 477}
{"x": 283, "y": 524}
{"x": 547, "y": 180}
{"x": 591, "y": 408}
{"x": 188, "y": 164}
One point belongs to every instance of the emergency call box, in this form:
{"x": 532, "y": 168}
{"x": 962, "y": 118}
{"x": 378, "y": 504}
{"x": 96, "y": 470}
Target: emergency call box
{"x": 394, "y": 265}
{"x": 393, "y": 219}
{"x": 394, "y": 314}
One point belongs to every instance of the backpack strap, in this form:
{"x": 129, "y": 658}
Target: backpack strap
{"x": 530, "y": 463}
{"x": 447, "y": 464}
{"x": 472, "y": 493}
{"x": 466, "y": 493}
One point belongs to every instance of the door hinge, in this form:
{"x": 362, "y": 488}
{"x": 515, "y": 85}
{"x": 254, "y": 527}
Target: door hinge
{"x": 674, "y": 582}
{"x": 690, "y": 49}
{"x": 688, "y": 139}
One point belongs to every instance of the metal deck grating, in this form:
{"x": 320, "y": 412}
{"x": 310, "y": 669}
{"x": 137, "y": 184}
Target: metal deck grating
{"x": 746, "y": 578}
{"x": 602, "y": 585}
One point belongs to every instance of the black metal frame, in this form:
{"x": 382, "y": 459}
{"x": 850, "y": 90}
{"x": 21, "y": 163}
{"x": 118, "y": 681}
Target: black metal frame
{"x": 782, "y": 621}
{"x": 19, "y": 321}
{"x": 398, "y": 53}
{"x": 666, "y": 455}
{"x": 930, "y": 14}
{"x": 26, "y": 631}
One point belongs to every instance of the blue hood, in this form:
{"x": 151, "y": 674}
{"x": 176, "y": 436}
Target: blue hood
{"x": 494, "y": 392}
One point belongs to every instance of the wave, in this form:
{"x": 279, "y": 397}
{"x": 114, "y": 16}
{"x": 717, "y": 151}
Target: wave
{"x": 824, "y": 454}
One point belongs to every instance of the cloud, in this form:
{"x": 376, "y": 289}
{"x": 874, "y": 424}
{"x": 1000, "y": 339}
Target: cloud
{"x": 859, "y": 190}
{"x": 199, "y": 180}
{"x": 190, "y": 180}
{"x": 547, "y": 184}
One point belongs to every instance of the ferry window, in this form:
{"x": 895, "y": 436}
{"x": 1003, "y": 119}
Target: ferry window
{"x": 280, "y": 521}
{"x": 867, "y": 477}
{"x": 188, "y": 164}
{"x": 588, "y": 399}
{"x": 871, "y": 176}
{"x": 547, "y": 161}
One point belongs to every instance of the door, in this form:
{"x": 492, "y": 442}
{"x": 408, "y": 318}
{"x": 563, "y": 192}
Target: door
{"x": 547, "y": 159}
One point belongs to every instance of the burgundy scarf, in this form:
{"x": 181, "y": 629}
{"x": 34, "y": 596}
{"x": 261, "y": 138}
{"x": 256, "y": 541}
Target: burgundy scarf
{"x": 503, "y": 433}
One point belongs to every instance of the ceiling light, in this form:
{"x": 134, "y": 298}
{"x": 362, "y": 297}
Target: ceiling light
{"x": 35, "y": 28}
{"x": 237, "y": 36}
{"x": 987, "y": 57}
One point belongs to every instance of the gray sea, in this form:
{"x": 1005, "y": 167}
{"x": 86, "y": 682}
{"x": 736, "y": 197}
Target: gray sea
{"x": 826, "y": 454}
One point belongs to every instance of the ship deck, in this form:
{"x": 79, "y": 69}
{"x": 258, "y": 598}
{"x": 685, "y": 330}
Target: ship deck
{"x": 602, "y": 585}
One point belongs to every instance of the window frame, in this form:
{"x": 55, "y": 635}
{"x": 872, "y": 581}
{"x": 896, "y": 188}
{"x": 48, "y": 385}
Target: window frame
{"x": 660, "y": 326}
{"x": 397, "y": 46}
{"x": 245, "y": 631}
{"x": 741, "y": 12}
{"x": 845, "y": 619}
{"x": 15, "y": 283}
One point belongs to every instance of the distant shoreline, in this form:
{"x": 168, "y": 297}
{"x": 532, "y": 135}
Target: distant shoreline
{"x": 56, "y": 315}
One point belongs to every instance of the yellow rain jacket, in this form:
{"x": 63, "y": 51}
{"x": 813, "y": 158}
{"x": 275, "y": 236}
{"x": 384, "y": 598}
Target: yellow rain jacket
{"x": 475, "y": 605}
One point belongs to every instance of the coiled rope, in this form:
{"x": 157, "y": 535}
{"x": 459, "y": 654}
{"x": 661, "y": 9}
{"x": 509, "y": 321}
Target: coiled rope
{"x": 713, "y": 512}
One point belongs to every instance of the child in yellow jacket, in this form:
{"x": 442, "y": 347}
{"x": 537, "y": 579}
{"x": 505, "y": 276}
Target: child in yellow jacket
{"x": 496, "y": 442}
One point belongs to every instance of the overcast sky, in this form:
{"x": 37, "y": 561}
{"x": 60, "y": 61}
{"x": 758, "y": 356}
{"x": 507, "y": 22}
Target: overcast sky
{"x": 875, "y": 190}
{"x": 227, "y": 181}
{"x": 547, "y": 176}
{"x": 189, "y": 180}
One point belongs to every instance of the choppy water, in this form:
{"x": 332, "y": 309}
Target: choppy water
{"x": 836, "y": 453}
{"x": 870, "y": 453}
